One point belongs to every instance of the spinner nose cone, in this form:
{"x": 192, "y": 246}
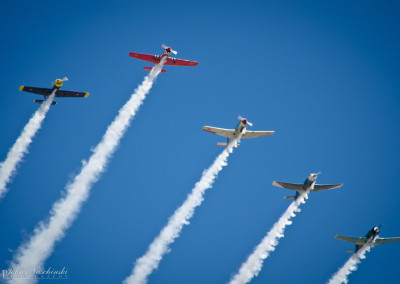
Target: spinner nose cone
{"x": 58, "y": 83}
{"x": 244, "y": 121}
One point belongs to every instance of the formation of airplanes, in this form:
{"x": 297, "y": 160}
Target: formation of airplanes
{"x": 309, "y": 185}
{"x": 155, "y": 59}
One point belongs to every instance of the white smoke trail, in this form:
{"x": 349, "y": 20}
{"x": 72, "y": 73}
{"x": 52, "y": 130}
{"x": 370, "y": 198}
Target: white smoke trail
{"x": 20, "y": 147}
{"x": 253, "y": 265}
{"x": 349, "y": 266}
{"x": 39, "y": 247}
{"x": 160, "y": 245}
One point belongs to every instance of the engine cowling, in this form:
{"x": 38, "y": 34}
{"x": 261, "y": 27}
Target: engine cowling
{"x": 58, "y": 83}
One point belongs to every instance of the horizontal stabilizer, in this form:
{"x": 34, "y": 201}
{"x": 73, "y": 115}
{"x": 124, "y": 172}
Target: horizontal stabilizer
{"x": 53, "y": 103}
{"x": 290, "y": 197}
{"x": 223, "y": 144}
{"x": 149, "y": 69}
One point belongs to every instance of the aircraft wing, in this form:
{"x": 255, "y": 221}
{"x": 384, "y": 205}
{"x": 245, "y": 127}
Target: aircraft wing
{"x": 71, "y": 94}
{"x": 180, "y": 62}
{"x": 47, "y": 92}
{"x": 142, "y": 56}
{"x": 292, "y": 186}
{"x": 254, "y": 134}
{"x": 380, "y": 241}
{"x": 319, "y": 187}
{"x": 39, "y": 91}
{"x": 219, "y": 131}
{"x": 353, "y": 240}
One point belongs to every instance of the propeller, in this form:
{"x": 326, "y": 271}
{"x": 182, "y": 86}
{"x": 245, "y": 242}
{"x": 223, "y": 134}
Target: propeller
{"x": 315, "y": 174}
{"x": 242, "y": 118}
{"x": 173, "y": 51}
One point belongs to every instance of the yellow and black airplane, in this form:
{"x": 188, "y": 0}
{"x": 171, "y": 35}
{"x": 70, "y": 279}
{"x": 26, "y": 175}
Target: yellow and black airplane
{"x": 56, "y": 87}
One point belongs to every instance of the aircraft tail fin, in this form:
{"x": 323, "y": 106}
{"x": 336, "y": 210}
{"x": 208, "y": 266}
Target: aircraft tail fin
{"x": 41, "y": 101}
{"x": 149, "y": 69}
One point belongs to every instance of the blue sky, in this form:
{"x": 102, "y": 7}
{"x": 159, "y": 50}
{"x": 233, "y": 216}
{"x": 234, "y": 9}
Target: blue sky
{"x": 324, "y": 76}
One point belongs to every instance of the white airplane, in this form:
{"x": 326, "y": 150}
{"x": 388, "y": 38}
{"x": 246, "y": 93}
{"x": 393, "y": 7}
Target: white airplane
{"x": 233, "y": 133}
{"x": 308, "y": 185}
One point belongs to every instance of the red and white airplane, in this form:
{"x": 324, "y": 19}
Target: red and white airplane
{"x": 240, "y": 129}
{"x": 155, "y": 59}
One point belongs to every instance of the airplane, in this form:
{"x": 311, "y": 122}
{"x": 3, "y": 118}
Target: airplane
{"x": 233, "y": 133}
{"x": 57, "y": 84}
{"x": 370, "y": 239}
{"x": 155, "y": 59}
{"x": 308, "y": 185}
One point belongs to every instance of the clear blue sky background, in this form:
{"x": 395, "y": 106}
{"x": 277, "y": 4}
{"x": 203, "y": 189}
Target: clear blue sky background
{"x": 323, "y": 75}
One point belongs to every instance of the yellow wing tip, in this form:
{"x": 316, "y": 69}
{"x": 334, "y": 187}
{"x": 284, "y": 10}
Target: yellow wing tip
{"x": 336, "y": 236}
{"x": 86, "y": 95}
{"x": 21, "y": 88}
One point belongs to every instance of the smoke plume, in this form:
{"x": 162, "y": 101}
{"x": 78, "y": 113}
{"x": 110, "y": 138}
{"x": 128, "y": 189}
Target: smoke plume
{"x": 20, "y": 148}
{"x": 253, "y": 265}
{"x": 33, "y": 253}
{"x": 145, "y": 265}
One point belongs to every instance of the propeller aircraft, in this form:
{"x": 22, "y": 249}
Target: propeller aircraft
{"x": 56, "y": 85}
{"x": 307, "y": 185}
{"x": 370, "y": 239}
{"x": 241, "y": 128}
{"x": 155, "y": 59}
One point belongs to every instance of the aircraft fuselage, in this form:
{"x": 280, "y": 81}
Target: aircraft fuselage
{"x": 166, "y": 52}
{"x": 310, "y": 182}
{"x": 157, "y": 58}
{"x": 371, "y": 237}
{"x": 240, "y": 128}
